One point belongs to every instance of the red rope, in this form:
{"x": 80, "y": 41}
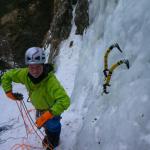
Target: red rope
{"x": 26, "y": 146}
{"x": 28, "y": 116}
{"x": 28, "y": 130}
{"x": 22, "y": 117}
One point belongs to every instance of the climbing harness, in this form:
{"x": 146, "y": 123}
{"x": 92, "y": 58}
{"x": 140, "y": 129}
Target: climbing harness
{"x": 108, "y": 72}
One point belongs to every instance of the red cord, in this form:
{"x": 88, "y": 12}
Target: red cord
{"x": 28, "y": 130}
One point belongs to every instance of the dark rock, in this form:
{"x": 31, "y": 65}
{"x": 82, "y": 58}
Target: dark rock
{"x": 74, "y": 2}
{"x": 60, "y": 26}
{"x": 4, "y": 65}
{"x": 71, "y": 44}
{"x": 26, "y": 23}
{"x": 23, "y": 23}
{"x": 82, "y": 17}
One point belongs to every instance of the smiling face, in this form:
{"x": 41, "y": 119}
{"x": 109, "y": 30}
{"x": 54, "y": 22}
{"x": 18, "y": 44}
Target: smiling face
{"x": 35, "y": 70}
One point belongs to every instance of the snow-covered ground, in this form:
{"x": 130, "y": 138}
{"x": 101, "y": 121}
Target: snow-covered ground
{"x": 117, "y": 121}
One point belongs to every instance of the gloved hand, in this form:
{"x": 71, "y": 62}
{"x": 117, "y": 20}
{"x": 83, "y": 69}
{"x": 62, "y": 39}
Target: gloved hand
{"x": 14, "y": 96}
{"x": 43, "y": 118}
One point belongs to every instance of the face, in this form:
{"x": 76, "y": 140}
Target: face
{"x": 35, "y": 70}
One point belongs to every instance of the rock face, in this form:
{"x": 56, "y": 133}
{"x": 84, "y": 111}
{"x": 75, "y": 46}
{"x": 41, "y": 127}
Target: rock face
{"x": 26, "y": 23}
{"x": 81, "y": 16}
{"x": 60, "y": 26}
{"x": 74, "y": 2}
{"x": 23, "y": 23}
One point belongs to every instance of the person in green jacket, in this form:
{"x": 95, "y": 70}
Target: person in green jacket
{"x": 45, "y": 91}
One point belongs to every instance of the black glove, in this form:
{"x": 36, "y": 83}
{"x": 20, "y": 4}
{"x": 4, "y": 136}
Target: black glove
{"x": 18, "y": 96}
{"x": 14, "y": 96}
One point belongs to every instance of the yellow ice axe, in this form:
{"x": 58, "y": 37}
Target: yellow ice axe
{"x": 106, "y": 70}
{"x": 110, "y": 71}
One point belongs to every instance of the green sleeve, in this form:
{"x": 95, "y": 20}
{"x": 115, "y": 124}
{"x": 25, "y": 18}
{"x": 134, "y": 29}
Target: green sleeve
{"x": 0, "y": 80}
{"x": 14, "y": 75}
{"x": 62, "y": 100}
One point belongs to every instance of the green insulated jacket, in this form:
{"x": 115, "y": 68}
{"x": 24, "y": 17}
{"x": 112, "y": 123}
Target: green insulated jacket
{"x": 48, "y": 94}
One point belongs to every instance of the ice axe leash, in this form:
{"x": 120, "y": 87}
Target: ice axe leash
{"x": 108, "y": 72}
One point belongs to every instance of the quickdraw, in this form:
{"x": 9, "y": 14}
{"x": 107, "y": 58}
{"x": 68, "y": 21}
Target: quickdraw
{"x": 108, "y": 72}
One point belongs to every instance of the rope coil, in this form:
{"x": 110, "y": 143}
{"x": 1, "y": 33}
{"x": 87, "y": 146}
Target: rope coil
{"x": 26, "y": 116}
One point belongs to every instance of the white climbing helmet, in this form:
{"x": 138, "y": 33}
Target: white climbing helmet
{"x": 35, "y": 55}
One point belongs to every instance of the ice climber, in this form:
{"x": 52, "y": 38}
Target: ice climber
{"x": 46, "y": 93}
